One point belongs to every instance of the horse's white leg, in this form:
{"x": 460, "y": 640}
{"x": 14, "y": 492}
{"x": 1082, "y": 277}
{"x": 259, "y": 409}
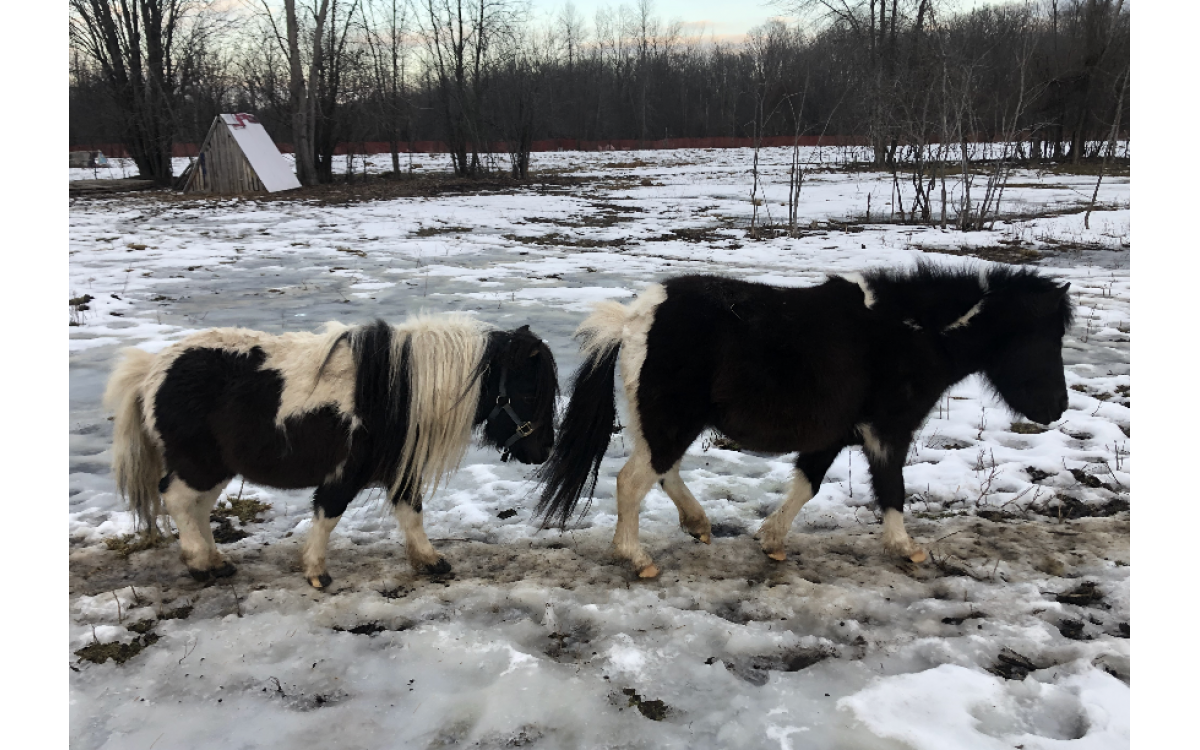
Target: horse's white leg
{"x": 896, "y": 539}
{"x": 190, "y": 509}
{"x": 774, "y": 530}
{"x": 421, "y": 554}
{"x": 692, "y": 518}
{"x": 635, "y": 479}
{"x": 312, "y": 559}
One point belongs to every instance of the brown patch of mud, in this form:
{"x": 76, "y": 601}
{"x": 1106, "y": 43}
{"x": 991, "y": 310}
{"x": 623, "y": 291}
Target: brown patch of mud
{"x": 1010, "y": 254}
{"x": 654, "y": 710}
{"x": 1067, "y": 508}
{"x": 98, "y": 653}
{"x": 432, "y": 231}
{"x": 562, "y": 240}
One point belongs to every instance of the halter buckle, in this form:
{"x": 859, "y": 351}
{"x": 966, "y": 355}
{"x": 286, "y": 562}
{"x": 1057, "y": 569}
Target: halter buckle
{"x": 525, "y": 430}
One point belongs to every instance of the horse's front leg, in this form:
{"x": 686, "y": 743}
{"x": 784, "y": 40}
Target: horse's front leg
{"x": 421, "y": 554}
{"x": 692, "y": 518}
{"x": 635, "y": 479}
{"x": 806, "y": 482}
{"x": 886, "y": 459}
{"x": 329, "y": 503}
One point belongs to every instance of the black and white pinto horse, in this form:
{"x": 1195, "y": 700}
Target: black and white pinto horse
{"x": 340, "y": 410}
{"x": 857, "y": 360}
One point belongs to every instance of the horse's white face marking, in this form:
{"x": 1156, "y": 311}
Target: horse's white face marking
{"x": 966, "y": 318}
{"x": 857, "y": 278}
{"x": 912, "y": 324}
{"x": 774, "y": 530}
{"x": 871, "y": 443}
{"x": 312, "y": 559}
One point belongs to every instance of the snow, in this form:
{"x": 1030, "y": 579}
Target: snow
{"x": 539, "y": 634}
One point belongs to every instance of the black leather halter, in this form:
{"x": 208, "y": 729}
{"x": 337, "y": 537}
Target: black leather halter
{"x": 504, "y": 404}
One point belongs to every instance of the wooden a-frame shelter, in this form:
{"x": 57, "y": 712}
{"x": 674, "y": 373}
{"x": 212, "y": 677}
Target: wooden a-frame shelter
{"x": 238, "y": 156}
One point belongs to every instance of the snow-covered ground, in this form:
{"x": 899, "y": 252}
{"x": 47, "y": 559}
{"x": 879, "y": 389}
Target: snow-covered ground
{"x": 540, "y": 638}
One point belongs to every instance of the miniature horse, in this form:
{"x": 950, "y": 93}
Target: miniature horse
{"x": 340, "y": 410}
{"x": 858, "y": 360}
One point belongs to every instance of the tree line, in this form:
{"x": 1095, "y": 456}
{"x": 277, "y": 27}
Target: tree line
{"x": 909, "y": 76}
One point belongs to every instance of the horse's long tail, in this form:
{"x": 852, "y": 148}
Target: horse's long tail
{"x": 136, "y": 459}
{"x": 583, "y": 437}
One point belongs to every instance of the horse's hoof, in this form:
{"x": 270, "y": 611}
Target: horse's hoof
{"x": 919, "y": 556}
{"x": 200, "y": 575}
{"x": 705, "y": 537}
{"x": 779, "y": 556}
{"x": 320, "y": 582}
{"x": 650, "y": 571}
{"x": 225, "y": 570}
{"x": 441, "y": 568}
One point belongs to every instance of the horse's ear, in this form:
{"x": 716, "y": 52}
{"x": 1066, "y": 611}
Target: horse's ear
{"x": 1065, "y": 287}
{"x": 523, "y": 329}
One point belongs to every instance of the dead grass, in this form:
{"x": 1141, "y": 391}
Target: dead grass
{"x": 126, "y": 544}
{"x": 245, "y": 509}
{"x": 431, "y": 231}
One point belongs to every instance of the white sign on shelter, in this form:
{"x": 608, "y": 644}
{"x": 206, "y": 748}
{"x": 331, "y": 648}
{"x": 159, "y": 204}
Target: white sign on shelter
{"x": 270, "y": 166}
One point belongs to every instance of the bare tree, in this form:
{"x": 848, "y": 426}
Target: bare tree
{"x": 138, "y": 44}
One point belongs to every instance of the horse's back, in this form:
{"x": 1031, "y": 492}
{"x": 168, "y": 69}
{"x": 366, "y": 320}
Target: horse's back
{"x": 775, "y": 368}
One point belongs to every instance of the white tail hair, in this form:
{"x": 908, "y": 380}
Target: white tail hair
{"x": 606, "y": 327}
{"x": 444, "y": 354}
{"x": 137, "y": 460}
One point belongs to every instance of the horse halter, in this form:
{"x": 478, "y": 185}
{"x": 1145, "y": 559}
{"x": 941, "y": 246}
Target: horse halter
{"x": 504, "y": 403}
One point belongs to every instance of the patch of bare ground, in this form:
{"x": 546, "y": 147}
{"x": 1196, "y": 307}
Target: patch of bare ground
{"x": 381, "y": 187}
{"x": 561, "y": 240}
{"x": 1012, "y": 253}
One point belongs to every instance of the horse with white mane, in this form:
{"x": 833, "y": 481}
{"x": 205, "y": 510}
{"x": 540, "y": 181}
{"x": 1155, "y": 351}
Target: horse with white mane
{"x": 351, "y": 407}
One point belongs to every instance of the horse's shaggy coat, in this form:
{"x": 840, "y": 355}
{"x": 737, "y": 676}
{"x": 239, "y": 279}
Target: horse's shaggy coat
{"x": 858, "y": 360}
{"x": 393, "y": 406}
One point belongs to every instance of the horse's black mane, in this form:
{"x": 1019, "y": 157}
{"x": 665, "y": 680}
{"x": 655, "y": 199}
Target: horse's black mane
{"x": 934, "y": 296}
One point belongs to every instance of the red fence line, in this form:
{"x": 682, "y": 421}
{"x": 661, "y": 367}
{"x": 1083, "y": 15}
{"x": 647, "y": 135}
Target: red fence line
{"x": 554, "y": 144}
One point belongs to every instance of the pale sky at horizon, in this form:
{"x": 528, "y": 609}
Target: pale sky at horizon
{"x": 723, "y": 19}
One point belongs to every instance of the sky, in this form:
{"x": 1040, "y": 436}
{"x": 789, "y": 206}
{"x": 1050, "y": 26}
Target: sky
{"x": 721, "y": 20}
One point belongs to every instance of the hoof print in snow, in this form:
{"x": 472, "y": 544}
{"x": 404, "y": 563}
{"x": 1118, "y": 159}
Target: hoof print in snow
{"x": 1083, "y": 595}
{"x": 723, "y": 530}
{"x": 371, "y": 628}
{"x": 224, "y": 533}
{"x": 654, "y": 710}
{"x": 756, "y": 670}
{"x": 1073, "y": 629}
{"x": 1012, "y": 666}
{"x": 504, "y": 515}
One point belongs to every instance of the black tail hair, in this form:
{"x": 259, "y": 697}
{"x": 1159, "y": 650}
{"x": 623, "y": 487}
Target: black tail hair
{"x": 583, "y": 437}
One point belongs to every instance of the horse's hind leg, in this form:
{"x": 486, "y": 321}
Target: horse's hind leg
{"x": 806, "y": 481}
{"x": 635, "y": 479}
{"x": 421, "y": 554}
{"x": 190, "y": 509}
{"x": 691, "y": 516}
